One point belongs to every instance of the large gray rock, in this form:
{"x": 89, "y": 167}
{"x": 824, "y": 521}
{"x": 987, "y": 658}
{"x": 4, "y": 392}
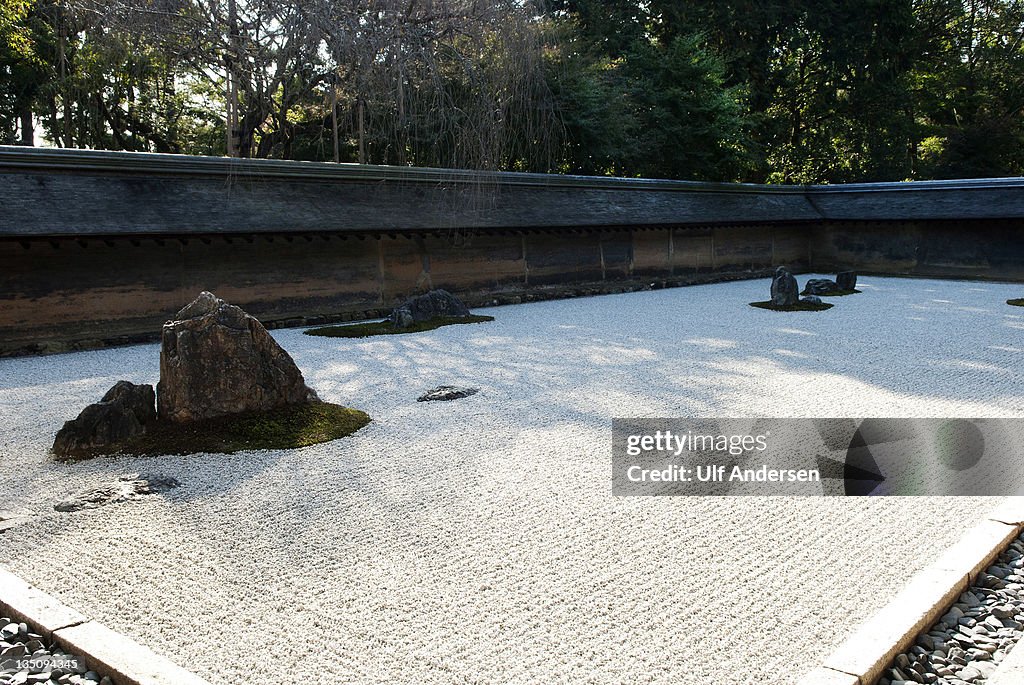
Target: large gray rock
{"x": 436, "y": 303}
{"x": 846, "y": 280}
{"x": 785, "y": 291}
{"x": 216, "y": 360}
{"x": 820, "y": 286}
{"x": 123, "y": 413}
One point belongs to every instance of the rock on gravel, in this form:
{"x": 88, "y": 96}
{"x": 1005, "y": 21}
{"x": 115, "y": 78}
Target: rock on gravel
{"x": 436, "y": 303}
{"x": 820, "y": 286}
{"x": 446, "y": 393}
{"x": 123, "y": 413}
{"x": 124, "y": 489}
{"x": 785, "y": 291}
{"x": 846, "y": 280}
{"x": 216, "y": 360}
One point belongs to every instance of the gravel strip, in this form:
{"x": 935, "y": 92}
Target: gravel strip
{"x": 26, "y": 658}
{"x": 968, "y": 642}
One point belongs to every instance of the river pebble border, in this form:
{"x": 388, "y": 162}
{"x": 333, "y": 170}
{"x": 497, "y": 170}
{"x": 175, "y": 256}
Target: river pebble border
{"x": 25, "y": 657}
{"x": 967, "y": 644}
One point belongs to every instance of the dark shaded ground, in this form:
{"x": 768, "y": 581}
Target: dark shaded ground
{"x": 798, "y": 307}
{"x": 295, "y": 426}
{"x": 365, "y": 330}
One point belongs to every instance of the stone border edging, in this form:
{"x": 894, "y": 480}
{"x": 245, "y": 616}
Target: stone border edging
{"x": 105, "y": 651}
{"x": 862, "y": 658}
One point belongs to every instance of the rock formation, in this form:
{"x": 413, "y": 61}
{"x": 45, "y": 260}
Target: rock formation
{"x": 846, "y": 280}
{"x": 123, "y": 413}
{"x": 821, "y": 286}
{"x": 785, "y": 291}
{"x": 216, "y": 360}
{"x": 431, "y": 305}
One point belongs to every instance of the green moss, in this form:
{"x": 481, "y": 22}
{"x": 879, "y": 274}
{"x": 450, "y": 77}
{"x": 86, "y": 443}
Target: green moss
{"x": 834, "y": 293}
{"x": 1016, "y": 302}
{"x": 798, "y": 307}
{"x": 295, "y": 426}
{"x": 365, "y": 330}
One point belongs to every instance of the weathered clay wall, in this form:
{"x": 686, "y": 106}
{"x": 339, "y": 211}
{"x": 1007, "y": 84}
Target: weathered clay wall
{"x": 989, "y": 249}
{"x": 100, "y": 247}
{"x": 65, "y": 293}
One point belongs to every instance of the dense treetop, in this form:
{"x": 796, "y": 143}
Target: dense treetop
{"x": 786, "y": 91}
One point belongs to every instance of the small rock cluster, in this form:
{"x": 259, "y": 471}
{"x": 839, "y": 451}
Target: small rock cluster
{"x": 215, "y": 360}
{"x": 123, "y": 489}
{"x": 785, "y": 291}
{"x": 26, "y": 658}
{"x": 432, "y": 305}
{"x": 977, "y": 632}
{"x": 845, "y": 282}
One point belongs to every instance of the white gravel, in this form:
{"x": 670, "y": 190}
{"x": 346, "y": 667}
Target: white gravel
{"x": 477, "y": 541}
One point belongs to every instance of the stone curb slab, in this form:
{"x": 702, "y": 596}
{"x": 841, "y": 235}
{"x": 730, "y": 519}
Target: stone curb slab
{"x": 896, "y": 625}
{"x": 25, "y": 603}
{"x": 826, "y": 676}
{"x": 105, "y": 651}
{"x": 863, "y": 657}
{"x": 124, "y": 660}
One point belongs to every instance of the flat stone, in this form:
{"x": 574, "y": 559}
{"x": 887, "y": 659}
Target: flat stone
{"x": 446, "y": 393}
{"x": 124, "y": 489}
{"x": 968, "y": 673}
{"x": 1003, "y": 611}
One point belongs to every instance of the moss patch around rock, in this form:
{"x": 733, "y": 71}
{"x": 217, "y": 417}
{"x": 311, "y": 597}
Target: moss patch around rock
{"x": 365, "y": 330}
{"x": 798, "y": 307}
{"x": 834, "y": 293}
{"x": 1016, "y": 302}
{"x": 298, "y": 425}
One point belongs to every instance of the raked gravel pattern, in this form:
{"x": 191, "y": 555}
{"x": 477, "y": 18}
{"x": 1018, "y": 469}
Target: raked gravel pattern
{"x": 477, "y": 541}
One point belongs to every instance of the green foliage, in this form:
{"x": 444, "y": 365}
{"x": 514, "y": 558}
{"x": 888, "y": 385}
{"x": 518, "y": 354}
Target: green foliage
{"x": 787, "y": 91}
{"x": 657, "y": 110}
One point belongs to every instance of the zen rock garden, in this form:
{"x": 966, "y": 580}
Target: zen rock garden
{"x": 225, "y": 385}
{"x": 786, "y": 293}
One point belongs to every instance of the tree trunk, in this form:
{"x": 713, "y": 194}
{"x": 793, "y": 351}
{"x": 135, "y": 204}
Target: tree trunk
{"x": 28, "y": 131}
{"x": 231, "y": 82}
{"x": 362, "y": 132}
{"x": 64, "y": 99}
{"x": 334, "y": 120}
